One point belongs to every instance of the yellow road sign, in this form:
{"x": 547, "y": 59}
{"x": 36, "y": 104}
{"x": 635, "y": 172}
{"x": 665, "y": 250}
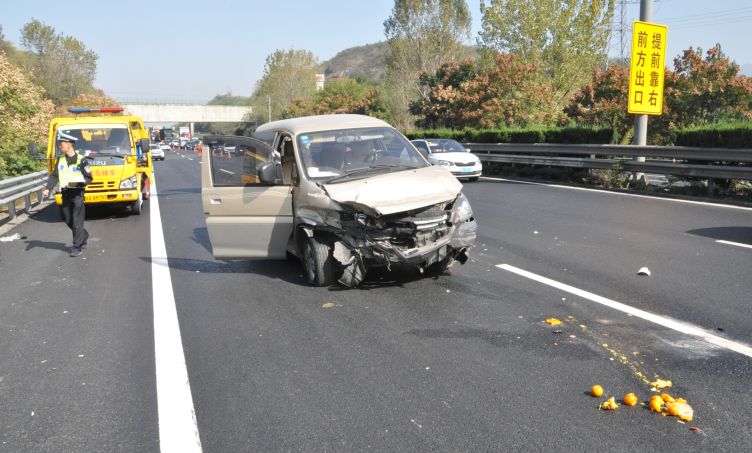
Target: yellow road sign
{"x": 646, "y": 68}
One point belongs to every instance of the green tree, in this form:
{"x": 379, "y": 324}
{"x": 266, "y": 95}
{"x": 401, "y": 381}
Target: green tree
{"x": 566, "y": 40}
{"x": 422, "y": 35}
{"x": 341, "y": 95}
{"x": 288, "y": 75}
{"x": 24, "y": 117}
{"x": 506, "y": 93}
{"x": 61, "y": 64}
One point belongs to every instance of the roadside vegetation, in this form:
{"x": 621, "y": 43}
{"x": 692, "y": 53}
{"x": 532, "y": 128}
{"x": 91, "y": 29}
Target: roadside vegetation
{"x": 529, "y": 77}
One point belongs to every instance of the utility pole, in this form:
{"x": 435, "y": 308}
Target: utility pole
{"x": 641, "y": 121}
{"x": 269, "y": 100}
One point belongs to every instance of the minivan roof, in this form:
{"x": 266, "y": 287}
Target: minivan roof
{"x": 323, "y": 123}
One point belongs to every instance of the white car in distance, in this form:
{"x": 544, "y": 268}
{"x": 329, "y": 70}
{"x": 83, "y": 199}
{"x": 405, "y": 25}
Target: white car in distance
{"x": 451, "y": 155}
{"x": 156, "y": 152}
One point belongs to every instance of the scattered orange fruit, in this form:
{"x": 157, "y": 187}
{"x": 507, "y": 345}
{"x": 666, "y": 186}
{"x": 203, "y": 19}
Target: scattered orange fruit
{"x": 609, "y": 405}
{"x": 630, "y": 399}
{"x": 656, "y": 403}
{"x": 682, "y": 410}
{"x": 553, "y": 321}
{"x": 667, "y": 398}
{"x": 596, "y": 391}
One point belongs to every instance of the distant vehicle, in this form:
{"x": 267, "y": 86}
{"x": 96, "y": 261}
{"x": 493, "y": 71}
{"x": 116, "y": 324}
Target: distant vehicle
{"x": 165, "y": 146}
{"x": 175, "y": 142}
{"x": 191, "y": 144}
{"x": 451, "y": 155}
{"x": 156, "y": 152}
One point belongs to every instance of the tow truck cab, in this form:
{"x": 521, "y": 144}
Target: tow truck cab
{"x": 117, "y": 148}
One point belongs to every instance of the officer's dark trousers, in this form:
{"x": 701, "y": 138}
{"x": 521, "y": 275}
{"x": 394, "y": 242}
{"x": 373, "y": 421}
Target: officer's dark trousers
{"x": 73, "y": 213}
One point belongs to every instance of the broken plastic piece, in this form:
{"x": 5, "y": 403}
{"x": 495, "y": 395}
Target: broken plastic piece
{"x": 644, "y": 271}
{"x": 552, "y": 321}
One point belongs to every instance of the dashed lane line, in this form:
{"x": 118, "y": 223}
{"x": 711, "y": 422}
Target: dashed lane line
{"x": 738, "y": 244}
{"x": 673, "y": 324}
{"x": 178, "y": 430}
{"x": 624, "y": 194}
{"x": 226, "y": 171}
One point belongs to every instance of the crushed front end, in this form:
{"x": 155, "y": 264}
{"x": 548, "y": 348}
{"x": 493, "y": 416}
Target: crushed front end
{"x": 435, "y": 235}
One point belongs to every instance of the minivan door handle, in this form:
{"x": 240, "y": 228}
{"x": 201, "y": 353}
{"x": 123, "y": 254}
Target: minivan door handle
{"x": 215, "y": 201}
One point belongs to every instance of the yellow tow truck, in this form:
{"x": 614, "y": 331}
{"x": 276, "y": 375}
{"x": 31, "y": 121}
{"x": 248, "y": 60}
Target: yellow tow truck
{"x": 117, "y": 148}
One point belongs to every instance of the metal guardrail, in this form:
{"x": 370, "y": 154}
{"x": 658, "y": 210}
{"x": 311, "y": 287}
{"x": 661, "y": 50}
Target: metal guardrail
{"x": 720, "y": 162}
{"x": 12, "y": 189}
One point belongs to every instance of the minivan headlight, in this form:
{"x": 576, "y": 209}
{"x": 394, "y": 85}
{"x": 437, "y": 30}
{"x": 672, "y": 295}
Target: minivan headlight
{"x": 462, "y": 209}
{"x": 129, "y": 183}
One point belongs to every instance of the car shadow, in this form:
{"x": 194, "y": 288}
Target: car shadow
{"x": 287, "y": 270}
{"x": 733, "y": 234}
{"x": 201, "y": 237}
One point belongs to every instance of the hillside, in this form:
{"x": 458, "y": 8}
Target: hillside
{"x": 365, "y": 61}
{"x": 368, "y": 61}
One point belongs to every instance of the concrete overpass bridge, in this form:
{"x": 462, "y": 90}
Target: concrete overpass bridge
{"x": 188, "y": 113}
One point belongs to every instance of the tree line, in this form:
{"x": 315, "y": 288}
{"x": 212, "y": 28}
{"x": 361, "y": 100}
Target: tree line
{"x": 49, "y": 73}
{"x": 541, "y": 64}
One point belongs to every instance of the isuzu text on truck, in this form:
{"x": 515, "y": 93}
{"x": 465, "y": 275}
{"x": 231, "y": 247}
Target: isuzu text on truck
{"x": 118, "y": 151}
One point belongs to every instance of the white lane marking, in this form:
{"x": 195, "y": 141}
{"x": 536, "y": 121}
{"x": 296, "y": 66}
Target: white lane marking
{"x": 226, "y": 171}
{"x": 585, "y": 189}
{"x": 673, "y": 324}
{"x": 189, "y": 158}
{"x": 178, "y": 430}
{"x": 738, "y": 244}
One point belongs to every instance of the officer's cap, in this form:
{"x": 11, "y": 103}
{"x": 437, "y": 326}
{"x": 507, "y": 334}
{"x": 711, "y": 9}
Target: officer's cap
{"x": 63, "y": 137}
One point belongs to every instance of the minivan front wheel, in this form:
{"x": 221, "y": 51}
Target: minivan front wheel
{"x": 318, "y": 262}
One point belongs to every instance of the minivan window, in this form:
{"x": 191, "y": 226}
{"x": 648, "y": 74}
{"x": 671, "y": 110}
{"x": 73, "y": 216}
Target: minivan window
{"x": 352, "y": 153}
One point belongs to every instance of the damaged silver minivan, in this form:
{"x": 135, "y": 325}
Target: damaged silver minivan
{"x": 344, "y": 193}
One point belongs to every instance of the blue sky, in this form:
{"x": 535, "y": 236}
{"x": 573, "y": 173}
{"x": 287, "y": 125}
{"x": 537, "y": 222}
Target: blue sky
{"x": 191, "y": 50}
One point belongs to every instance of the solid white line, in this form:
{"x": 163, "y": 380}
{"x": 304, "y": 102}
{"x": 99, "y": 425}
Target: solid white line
{"x": 585, "y": 189}
{"x": 738, "y": 244}
{"x": 178, "y": 430}
{"x": 678, "y": 326}
{"x": 226, "y": 171}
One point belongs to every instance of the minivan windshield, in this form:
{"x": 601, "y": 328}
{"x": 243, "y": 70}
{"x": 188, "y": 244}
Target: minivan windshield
{"x": 345, "y": 154}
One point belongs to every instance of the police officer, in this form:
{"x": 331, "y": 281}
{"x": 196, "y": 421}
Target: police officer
{"x": 72, "y": 172}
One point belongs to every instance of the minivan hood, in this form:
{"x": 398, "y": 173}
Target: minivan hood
{"x": 397, "y": 192}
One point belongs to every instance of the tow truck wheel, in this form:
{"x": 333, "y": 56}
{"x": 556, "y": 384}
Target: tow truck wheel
{"x": 136, "y": 205}
{"x": 318, "y": 262}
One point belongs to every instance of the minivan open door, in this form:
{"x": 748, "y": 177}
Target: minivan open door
{"x": 248, "y": 210}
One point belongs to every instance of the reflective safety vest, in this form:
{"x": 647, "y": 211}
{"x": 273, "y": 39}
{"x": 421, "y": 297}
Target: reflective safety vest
{"x": 69, "y": 175}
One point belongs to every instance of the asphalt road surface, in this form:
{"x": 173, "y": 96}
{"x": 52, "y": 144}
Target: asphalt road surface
{"x": 402, "y": 363}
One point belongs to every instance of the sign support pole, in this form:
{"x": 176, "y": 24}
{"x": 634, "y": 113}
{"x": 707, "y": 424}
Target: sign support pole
{"x": 641, "y": 121}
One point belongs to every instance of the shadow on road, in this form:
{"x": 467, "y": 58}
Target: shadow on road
{"x": 35, "y": 243}
{"x": 286, "y": 270}
{"x": 291, "y": 271}
{"x": 733, "y": 234}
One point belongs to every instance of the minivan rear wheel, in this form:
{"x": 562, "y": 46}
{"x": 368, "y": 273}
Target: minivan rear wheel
{"x": 318, "y": 262}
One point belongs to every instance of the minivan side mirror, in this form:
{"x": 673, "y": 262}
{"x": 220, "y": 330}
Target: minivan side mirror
{"x": 270, "y": 173}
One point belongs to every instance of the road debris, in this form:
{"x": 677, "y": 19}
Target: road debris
{"x": 553, "y": 321}
{"x": 660, "y": 384}
{"x": 644, "y": 271}
{"x": 596, "y": 390}
{"x": 682, "y": 410}
{"x": 609, "y": 405}
{"x": 12, "y": 237}
{"x": 328, "y": 305}
{"x": 630, "y": 399}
